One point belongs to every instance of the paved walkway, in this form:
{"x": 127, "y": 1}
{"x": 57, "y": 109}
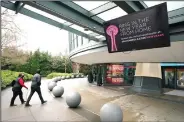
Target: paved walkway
{"x": 176, "y": 93}
{"x": 135, "y": 107}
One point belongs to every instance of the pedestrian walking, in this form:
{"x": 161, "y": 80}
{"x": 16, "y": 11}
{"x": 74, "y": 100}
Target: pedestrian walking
{"x": 17, "y": 89}
{"x": 35, "y": 87}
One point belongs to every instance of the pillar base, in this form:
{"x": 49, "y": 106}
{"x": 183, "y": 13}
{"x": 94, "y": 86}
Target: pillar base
{"x": 147, "y": 85}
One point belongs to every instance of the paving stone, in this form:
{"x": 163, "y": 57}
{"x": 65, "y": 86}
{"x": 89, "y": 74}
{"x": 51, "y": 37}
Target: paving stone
{"x": 135, "y": 107}
{"x": 79, "y": 119}
{"x": 14, "y": 112}
{"x": 22, "y": 119}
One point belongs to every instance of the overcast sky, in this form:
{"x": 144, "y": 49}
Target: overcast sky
{"x": 38, "y": 34}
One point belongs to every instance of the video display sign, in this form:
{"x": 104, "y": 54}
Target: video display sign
{"x": 114, "y": 74}
{"x": 145, "y": 29}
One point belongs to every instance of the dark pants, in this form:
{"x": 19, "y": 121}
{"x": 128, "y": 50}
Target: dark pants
{"x": 33, "y": 90}
{"x": 99, "y": 79}
{"x": 15, "y": 94}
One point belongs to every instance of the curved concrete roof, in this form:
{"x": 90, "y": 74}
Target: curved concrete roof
{"x": 175, "y": 53}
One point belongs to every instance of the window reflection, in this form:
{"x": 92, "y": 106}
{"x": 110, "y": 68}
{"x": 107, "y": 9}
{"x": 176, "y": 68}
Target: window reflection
{"x": 79, "y": 41}
{"x": 169, "y": 78}
{"x": 180, "y": 78}
{"x": 85, "y": 41}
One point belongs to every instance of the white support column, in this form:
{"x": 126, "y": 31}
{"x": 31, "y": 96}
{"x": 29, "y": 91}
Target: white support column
{"x": 148, "y": 70}
{"x": 148, "y": 78}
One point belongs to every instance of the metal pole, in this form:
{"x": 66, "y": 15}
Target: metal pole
{"x": 65, "y": 65}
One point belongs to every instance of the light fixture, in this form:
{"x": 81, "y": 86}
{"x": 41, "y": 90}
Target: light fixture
{"x": 86, "y": 29}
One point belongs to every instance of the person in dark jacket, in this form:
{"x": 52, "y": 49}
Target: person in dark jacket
{"x": 35, "y": 87}
{"x": 17, "y": 89}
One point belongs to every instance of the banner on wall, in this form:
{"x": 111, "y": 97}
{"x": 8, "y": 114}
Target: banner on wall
{"x": 145, "y": 29}
{"x": 117, "y": 80}
{"x": 117, "y": 68}
{"x": 114, "y": 74}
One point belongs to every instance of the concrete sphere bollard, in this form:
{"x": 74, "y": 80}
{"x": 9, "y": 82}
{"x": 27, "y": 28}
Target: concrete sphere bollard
{"x": 51, "y": 85}
{"x": 58, "y": 91}
{"x": 73, "y": 99}
{"x": 67, "y": 77}
{"x": 59, "y": 78}
{"x": 111, "y": 113}
{"x": 63, "y": 77}
{"x": 49, "y": 82}
{"x": 54, "y": 79}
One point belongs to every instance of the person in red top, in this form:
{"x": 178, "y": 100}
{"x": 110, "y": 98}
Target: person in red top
{"x": 17, "y": 89}
{"x": 21, "y": 82}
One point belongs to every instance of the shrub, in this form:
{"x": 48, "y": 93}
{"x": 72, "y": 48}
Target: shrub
{"x": 55, "y": 74}
{"x": 45, "y": 73}
{"x": 75, "y": 74}
{"x": 8, "y": 76}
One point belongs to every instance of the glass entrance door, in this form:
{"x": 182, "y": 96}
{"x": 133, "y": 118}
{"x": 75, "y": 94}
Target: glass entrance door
{"x": 115, "y": 74}
{"x": 180, "y": 78}
{"x": 169, "y": 76}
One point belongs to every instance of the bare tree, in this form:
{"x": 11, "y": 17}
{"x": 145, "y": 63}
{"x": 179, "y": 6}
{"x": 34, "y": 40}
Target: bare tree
{"x": 10, "y": 31}
{"x": 10, "y": 36}
{"x": 65, "y": 56}
{"x": 14, "y": 55}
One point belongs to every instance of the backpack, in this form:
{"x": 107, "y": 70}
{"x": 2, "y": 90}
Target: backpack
{"x": 13, "y": 83}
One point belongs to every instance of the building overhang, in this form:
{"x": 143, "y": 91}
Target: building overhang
{"x": 101, "y": 55}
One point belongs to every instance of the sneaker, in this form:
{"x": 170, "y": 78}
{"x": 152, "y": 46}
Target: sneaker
{"x": 13, "y": 105}
{"x": 23, "y": 102}
{"x": 44, "y": 102}
{"x": 27, "y": 105}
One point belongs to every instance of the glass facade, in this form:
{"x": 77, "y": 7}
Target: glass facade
{"x": 173, "y": 76}
{"x": 123, "y": 74}
{"x": 114, "y": 74}
{"x": 76, "y": 41}
{"x": 180, "y": 78}
{"x": 169, "y": 74}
